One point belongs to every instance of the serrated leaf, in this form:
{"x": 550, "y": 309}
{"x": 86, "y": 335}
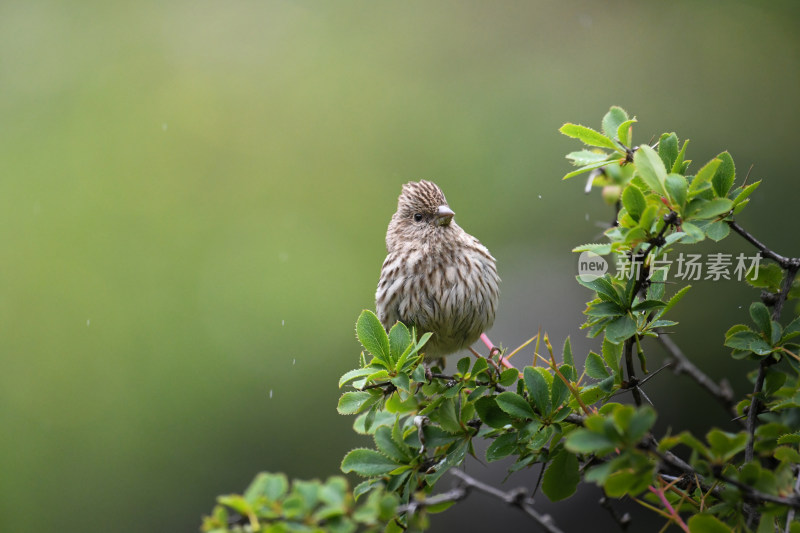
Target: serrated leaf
{"x": 567, "y": 352}
{"x": 595, "y": 367}
{"x": 612, "y": 353}
{"x": 790, "y": 438}
{"x": 706, "y": 523}
{"x": 503, "y": 446}
{"x": 713, "y": 208}
{"x": 633, "y": 201}
{"x": 561, "y": 476}
{"x": 490, "y": 413}
{"x": 584, "y": 169}
{"x": 612, "y": 121}
{"x": 399, "y": 339}
{"x": 676, "y": 298}
{"x": 650, "y": 167}
{"x": 769, "y": 276}
{"x": 372, "y": 336}
{"x": 538, "y": 389}
{"x": 703, "y": 178}
{"x": 668, "y": 149}
{"x": 596, "y": 248}
{"x": 724, "y": 176}
{"x": 624, "y": 132}
{"x": 367, "y": 463}
{"x": 585, "y": 441}
{"x": 677, "y": 187}
{"x": 387, "y": 445}
{"x": 718, "y": 230}
{"x": 760, "y": 315}
{"x": 620, "y": 329}
{"x": 588, "y": 136}
{"x": 357, "y": 373}
{"x": 354, "y": 402}
{"x": 604, "y": 309}
{"x": 747, "y": 191}
{"x": 648, "y": 305}
{"x": 586, "y": 157}
{"x": 514, "y": 404}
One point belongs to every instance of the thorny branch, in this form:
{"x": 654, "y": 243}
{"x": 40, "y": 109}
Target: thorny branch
{"x": 721, "y": 392}
{"x": 516, "y": 498}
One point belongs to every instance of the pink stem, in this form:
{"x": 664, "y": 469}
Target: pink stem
{"x": 492, "y": 347}
{"x": 675, "y": 516}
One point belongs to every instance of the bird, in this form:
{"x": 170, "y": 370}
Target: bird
{"x": 436, "y": 277}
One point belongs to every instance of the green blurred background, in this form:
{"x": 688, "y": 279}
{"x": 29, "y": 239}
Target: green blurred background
{"x": 194, "y": 197}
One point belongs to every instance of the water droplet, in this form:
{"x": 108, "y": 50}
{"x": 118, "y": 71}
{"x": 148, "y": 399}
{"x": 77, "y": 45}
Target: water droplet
{"x": 587, "y": 217}
{"x": 88, "y": 321}
{"x": 283, "y": 322}
{"x": 540, "y": 197}
{"x": 294, "y": 361}
{"x": 164, "y": 126}
{"x": 270, "y": 394}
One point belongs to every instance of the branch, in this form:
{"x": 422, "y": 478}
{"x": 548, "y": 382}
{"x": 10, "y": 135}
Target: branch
{"x": 516, "y": 498}
{"x": 784, "y": 262}
{"x": 721, "y": 392}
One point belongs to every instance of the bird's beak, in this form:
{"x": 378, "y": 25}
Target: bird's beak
{"x": 444, "y": 215}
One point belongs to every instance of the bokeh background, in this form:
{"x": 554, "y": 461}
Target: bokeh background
{"x": 194, "y": 197}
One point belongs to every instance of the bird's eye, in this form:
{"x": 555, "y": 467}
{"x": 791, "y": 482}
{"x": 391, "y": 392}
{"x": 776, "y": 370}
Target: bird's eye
{"x": 418, "y": 217}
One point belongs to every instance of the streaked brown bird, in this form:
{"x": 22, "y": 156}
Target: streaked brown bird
{"x": 436, "y": 277}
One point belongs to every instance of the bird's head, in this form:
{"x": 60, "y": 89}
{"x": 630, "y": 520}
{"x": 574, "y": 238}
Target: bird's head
{"x": 422, "y": 214}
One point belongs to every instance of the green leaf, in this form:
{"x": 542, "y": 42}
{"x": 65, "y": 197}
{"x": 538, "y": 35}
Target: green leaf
{"x": 785, "y": 453}
{"x": 585, "y": 441}
{"x": 724, "y": 176}
{"x": 508, "y": 377}
{"x": 641, "y": 422}
{"x": 612, "y": 121}
{"x": 706, "y": 523}
{"x": 612, "y": 353}
{"x": 515, "y": 405}
{"x": 678, "y": 166}
{"x": 624, "y": 133}
{"x": 769, "y": 276}
{"x": 676, "y": 298}
{"x": 567, "y": 352}
{"x": 583, "y": 169}
{"x": 387, "y": 445}
{"x": 537, "y": 389}
{"x": 597, "y": 248}
{"x": 703, "y": 178}
{"x": 603, "y": 287}
{"x": 399, "y": 339}
{"x": 588, "y": 136}
{"x": 595, "y": 367}
{"x": 463, "y": 365}
{"x": 718, "y": 230}
{"x": 357, "y": 373}
{"x": 271, "y": 486}
{"x": 668, "y": 149}
{"x": 693, "y": 233}
{"x": 604, "y": 309}
{"x": 725, "y": 445}
{"x": 620, "y": 329}
{"x": 713, "y": 208}
{"x": 760, "y": 315}
{"x": 648, "y": 305}
{"x": 490, "y": 413}
{"x": 559, "y": 392}
{"x": 677, "y": 187}
{"x": 367, "y": 463}
{"x": 747, "y": 191}
{"x": 651, "y": 169}
{"x": 561, "y": 476}
{"x": 790, "y": 438}
{"x": 502, "y": 446}
{"x": 586, "y": 157}
{"x": 633, "y": 201}
{"x": 354, "y": 402}
{"x": 372, "y": 336}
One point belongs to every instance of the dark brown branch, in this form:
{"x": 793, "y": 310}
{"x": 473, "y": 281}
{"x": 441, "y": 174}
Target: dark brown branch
{"x": 755, "y": 407}
{"x": 784, "y": 262}
{"x": 637, "y": 397}
{"x": 516, "y": 498}
{"x": 721, "y": 392}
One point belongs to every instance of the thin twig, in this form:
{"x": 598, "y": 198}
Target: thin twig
{"x": 721, "y": 392}
{"x": 784, "y": 262}
{"x": 516, "y": 498}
